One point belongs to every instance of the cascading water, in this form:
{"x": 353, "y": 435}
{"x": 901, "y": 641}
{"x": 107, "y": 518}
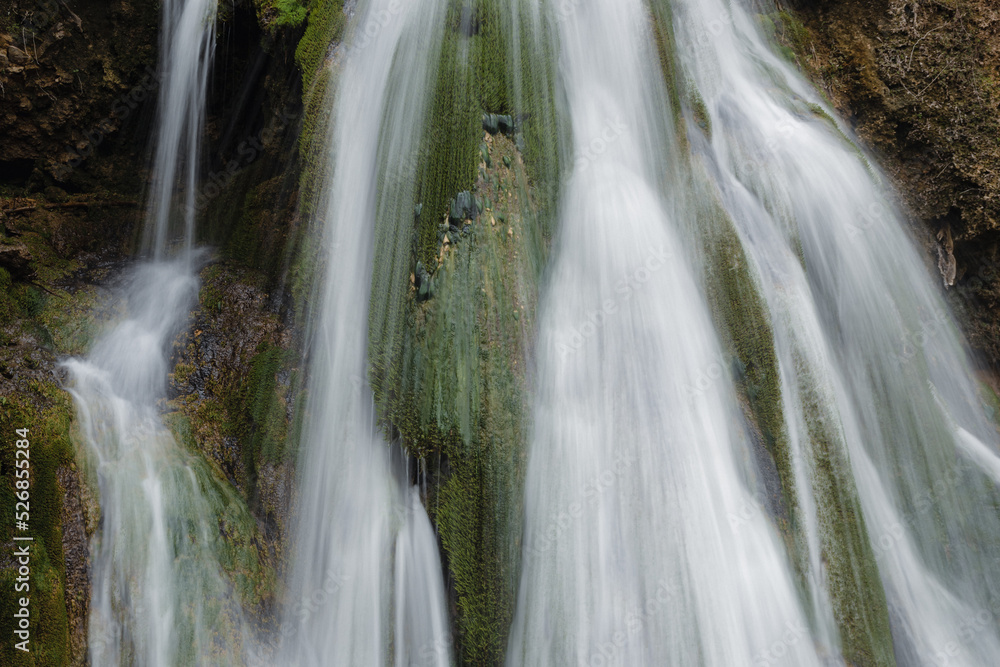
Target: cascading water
{"x": 756, "y": 440}
{"x": 159, "y": 595}
{"x": 629, "y": 556}
{"x": 858, "y": 325}
{"x": 363, "y": 544}
{"x": 878, "y": 443}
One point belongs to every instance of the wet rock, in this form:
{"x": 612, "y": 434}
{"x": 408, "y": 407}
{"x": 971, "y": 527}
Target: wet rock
{"x": 423, "y": 282}
{"x": 468, "y": 21}
{"x": 946, "y": 257}
{"x": 55, "y": 194}
{"x": 463, "y": 207}
{"x": 76, "y": 552}
{"x": 16, "y": 259}
{"x": 17, "y": 56}
{"x": 4, "y": 61}
{"x": 499, "y": 124}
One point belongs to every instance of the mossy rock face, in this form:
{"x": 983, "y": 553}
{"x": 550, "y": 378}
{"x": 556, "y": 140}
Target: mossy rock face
{"x": 56, "y": 314}
{"x": 235, "y": 383}
{"x": 850, "y": 570}
{"x": 743, "y": 321}
{"x": 324, "y": 27}
{"x": 46, "y": 412}
{"x": 449, "y": 322}
{"x": 451, "y": 314}
{"x": 462, "y": 398}
{"x": 852, "y": 577}
{"x": 920, "y": 82}
{"x": 30, "y": 398}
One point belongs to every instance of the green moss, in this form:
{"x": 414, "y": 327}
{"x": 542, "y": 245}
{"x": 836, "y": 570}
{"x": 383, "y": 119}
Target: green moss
{"x": 325, "y": 25}
{"x": 257, "y": 411}
{"x": 46, "y": 412}
{"x": 741, "y": 316}
{"x": 448, "y": 376}
{"x": 289, "y": 13}
{"x": 70, "y": 319}
{"x": 314, "y": 165}
{"x": 699, "y": 111}
{"x": 666, "y": 49}
{"x": 450, "y": 157}
{"x": 492, "y": 57}
{"x": 259, "y": 239}
{"x": 786, "y": 31}
{"x": 852, "y": 577}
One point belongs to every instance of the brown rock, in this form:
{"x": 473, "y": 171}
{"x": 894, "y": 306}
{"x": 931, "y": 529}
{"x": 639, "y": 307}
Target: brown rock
{"x": 76, "y": 551}
{"x": 17, "y": 260}
{"x": 17, "y": 56}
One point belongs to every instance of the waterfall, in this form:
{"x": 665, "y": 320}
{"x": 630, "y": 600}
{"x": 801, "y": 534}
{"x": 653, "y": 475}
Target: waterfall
{"x": 363, "y": 545}
{"x": 629, "y": 555}
{"x": 757, "y": 437}
{"x": 159, "y": 594}
{"x": 859, "y": 327}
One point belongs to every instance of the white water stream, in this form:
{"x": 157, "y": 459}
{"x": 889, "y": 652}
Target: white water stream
{"x": 366, "y": 586}
{"x": 630, "y": 557}
{"x": 159, "y": 595}
{"x": 856, "y": 311}
{"x": 630, "y": 552}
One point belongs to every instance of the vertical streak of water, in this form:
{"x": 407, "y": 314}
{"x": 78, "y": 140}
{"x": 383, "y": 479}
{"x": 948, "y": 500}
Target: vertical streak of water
{"x": 355, "y": 514}
{"x": 159, "y": 596}
{"x": 629, "y": 557}
{"x": 188, "y": 46}
{"x": 856, "y": 315}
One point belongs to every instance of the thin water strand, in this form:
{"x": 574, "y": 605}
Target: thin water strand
{"x": 355, "y": 514}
